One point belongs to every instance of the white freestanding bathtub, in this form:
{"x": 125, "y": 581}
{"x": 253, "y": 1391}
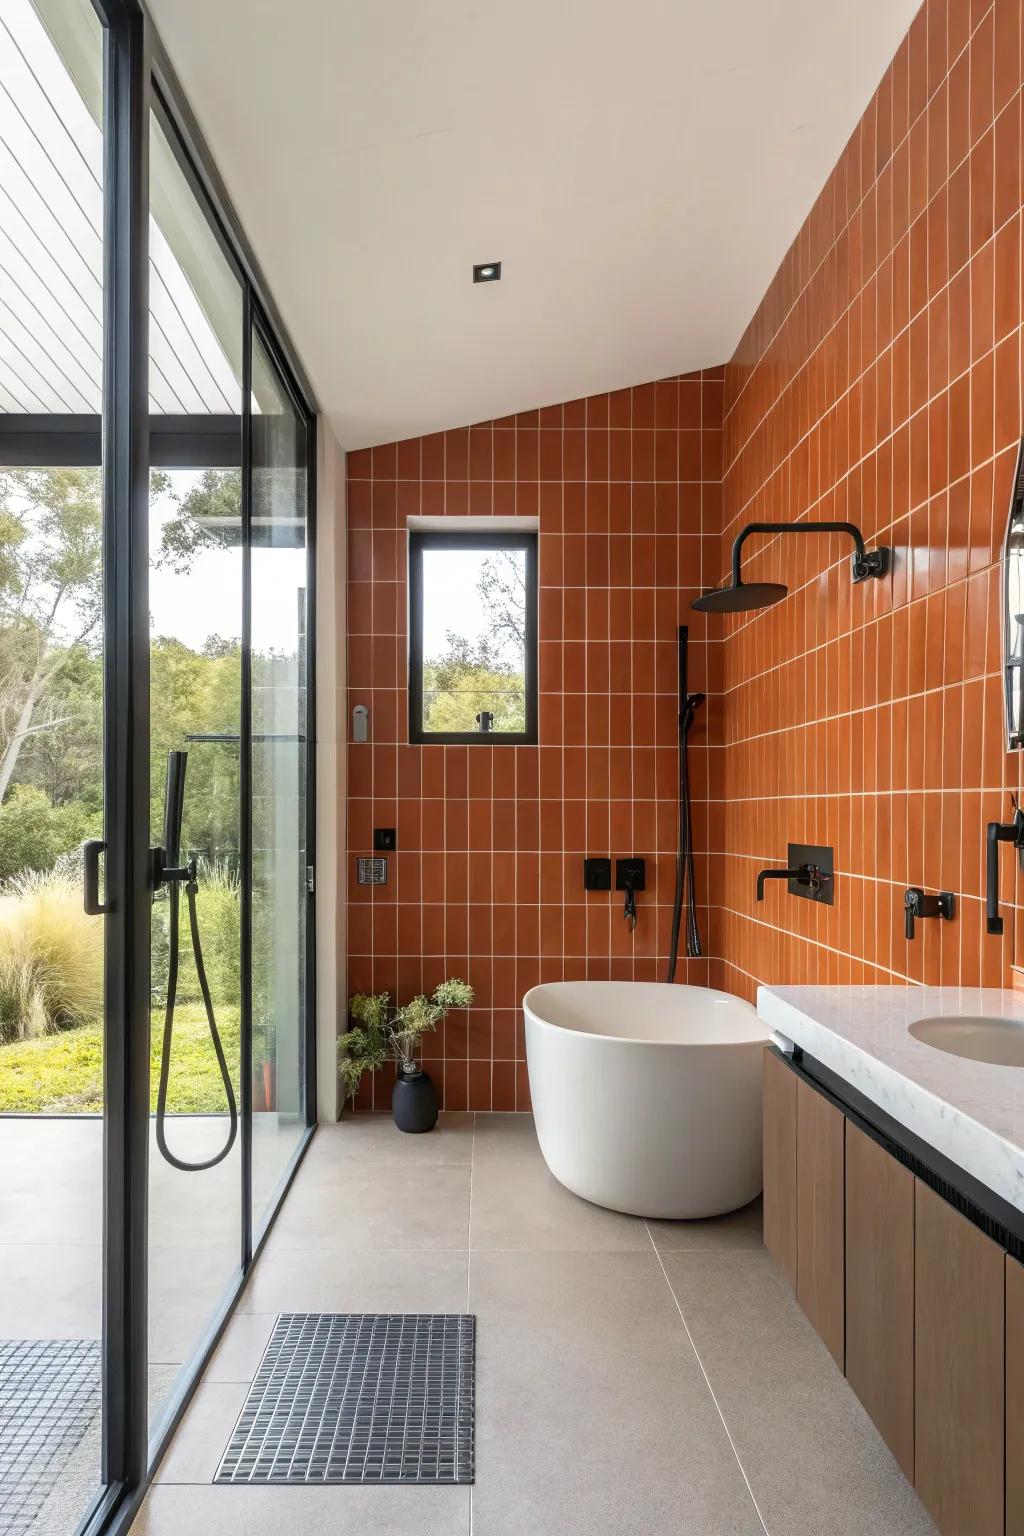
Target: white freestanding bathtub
{"x": 647, "y": 1097}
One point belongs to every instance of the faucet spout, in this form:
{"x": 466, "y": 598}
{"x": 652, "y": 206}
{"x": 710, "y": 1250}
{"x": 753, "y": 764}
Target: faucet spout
{"x": 804, "y": 874}
{"x": 1000, "y": 832}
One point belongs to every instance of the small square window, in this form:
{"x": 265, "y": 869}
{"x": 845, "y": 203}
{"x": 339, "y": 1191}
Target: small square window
{"x": 473, "y": 636}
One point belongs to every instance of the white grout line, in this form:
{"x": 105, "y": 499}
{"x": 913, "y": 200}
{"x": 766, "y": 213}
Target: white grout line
{"x": 707, "y": 1380}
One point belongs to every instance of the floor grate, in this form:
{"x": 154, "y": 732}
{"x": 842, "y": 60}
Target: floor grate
{"x": 49, "y": 1394}
{"x": 359, "y": 1398}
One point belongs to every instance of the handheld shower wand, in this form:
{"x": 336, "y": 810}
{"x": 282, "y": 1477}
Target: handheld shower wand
{"x": 167, "y": 871}
{"x": 685, "y": 890}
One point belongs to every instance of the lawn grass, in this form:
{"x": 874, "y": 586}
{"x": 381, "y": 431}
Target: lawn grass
{"x": 62, "y": 1074}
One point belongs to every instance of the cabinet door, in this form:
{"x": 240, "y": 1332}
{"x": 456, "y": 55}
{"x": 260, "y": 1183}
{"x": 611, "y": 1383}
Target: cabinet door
{"x": 959, "y": 1361}
{"x": 820, "y": 1198}
{"x": 880, "y": 1290}
{"x": 780, "y": 1164}
{"x": 1014, "y": 1395}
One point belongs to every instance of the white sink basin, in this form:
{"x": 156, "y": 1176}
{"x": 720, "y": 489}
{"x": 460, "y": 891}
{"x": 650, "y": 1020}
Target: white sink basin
{"x": 999, "y": 1041}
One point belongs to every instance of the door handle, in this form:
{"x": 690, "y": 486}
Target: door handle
{"x": 91, "y": 851}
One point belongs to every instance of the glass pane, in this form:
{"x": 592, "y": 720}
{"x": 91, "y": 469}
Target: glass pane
{"x": 195, "y": 596}
{"x": 51, "y": 764}
{"x": 474, "y": 639}
{"x": 278, "y": 777}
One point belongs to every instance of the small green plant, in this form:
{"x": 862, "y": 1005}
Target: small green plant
{"x": 382, "y": 1032}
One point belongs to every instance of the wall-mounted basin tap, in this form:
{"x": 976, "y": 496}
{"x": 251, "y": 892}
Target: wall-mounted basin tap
{"x": 1000, "y": 832}
{"x": 916, "y": 904}
{"x": 810, "y": 875}
{"x": 630, "y": 877}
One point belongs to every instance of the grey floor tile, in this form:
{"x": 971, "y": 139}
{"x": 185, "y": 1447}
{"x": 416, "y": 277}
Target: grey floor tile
{"x": 592, "y": 1412}
{"x": 242, "y": 1347}
{"x": 171, "y": 1510}
{"x": 738, "y": 1229}
{"x": 518, "y": 1204}
{"x": 367, "y": 1280}
{"x": 186, "y": 1285}
{"x": 50, "y": 1291}
{"x": 375, "y": 1139}
{"x": 363, "y": 1206}
{"x": 203, "y": 1433}
{"x": 814, "y": 1460}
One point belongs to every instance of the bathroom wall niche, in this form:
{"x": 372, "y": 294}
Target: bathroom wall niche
{"x": 1013, "y": 611}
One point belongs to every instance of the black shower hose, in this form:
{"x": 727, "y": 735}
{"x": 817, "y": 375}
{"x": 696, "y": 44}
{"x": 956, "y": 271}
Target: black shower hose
{"x": 685, "y": 873}
{"x": 174, "y": 899}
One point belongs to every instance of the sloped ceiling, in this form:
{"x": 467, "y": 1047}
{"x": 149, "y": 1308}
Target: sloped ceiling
{"x": 640, "y": 169}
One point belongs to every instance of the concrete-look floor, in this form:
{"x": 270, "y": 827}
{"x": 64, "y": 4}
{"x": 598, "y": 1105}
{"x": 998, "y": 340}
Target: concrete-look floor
{"x": 632, "y": 1376}
{"x": 51, "y": 1258}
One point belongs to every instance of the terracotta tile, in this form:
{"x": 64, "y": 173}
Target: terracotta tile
{"x": 879, "y": 379}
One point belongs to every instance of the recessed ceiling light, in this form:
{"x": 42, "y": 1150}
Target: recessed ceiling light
{"x": 487, "y": 272}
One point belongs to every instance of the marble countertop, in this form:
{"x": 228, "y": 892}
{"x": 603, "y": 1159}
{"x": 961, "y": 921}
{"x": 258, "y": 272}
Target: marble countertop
{"x": 971, "y": 1112}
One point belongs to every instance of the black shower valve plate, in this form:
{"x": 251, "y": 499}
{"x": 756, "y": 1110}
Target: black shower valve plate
{"x": 385, "y": 840}
{"x": 632, "y": 871}
{"x": 597, "y": 874}
{"x": 824, "y": 858}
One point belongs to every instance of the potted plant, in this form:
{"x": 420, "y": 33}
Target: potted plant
{"x": 383, "y": 1032}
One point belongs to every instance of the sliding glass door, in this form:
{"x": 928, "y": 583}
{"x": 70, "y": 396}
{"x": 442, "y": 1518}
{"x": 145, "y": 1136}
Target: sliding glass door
{"x": 51, "y": 767}
{"x": 197, "y": 303}
{"x": 155, "y": 808}
{"x": 281, "y": 868}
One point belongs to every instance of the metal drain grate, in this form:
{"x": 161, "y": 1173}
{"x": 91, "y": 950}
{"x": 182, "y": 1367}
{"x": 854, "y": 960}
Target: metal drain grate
{"x": 49, "y": 1393}
{"x": 359, "y": 1398}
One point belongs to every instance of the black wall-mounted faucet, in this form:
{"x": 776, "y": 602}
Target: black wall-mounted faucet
{"x": 630, "y": 877}
{"x": 916, "y": 904}
{"x": 809, "y": 875}
{"x": 1000, "y": 832}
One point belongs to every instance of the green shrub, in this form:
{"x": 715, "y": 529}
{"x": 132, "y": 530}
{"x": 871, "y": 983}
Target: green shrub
{"x": 51, "y": 957}
{"x": 34, "y": 834}
{"x": 219, "y": 914}
{"x": 220, "y": 928}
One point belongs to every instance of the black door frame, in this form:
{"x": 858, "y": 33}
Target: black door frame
{"x": 125, "y": 478}
{"x": 138, "y": 77}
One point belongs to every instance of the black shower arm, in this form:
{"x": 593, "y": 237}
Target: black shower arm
{"x": 745, "y": 533}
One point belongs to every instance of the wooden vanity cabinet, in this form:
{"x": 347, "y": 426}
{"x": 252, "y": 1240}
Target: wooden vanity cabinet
{"x": 880, "y": 1290}
{"x": 820, "y": 1196}
{"x": 921, "y": 1308}
{"x": 1014, "y": 1396}
{"x": 780, "y": 1086}
{"x": 959, "y": 1351}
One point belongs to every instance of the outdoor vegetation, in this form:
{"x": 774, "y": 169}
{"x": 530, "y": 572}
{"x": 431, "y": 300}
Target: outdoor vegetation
{"x": 485, "y": 671}
{"x": 51, "y": 791}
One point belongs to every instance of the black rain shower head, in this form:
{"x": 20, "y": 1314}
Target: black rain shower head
{"x": 741, "y": 596}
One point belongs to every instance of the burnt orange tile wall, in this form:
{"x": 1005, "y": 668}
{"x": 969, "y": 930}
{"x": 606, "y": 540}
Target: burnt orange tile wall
{"x": 879, "y": 381}
{"x": 487, "y": 882}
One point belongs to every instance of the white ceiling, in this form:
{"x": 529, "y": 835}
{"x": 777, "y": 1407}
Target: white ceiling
{"x": 640, "y": 169}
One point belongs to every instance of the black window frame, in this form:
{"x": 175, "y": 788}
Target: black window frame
{"x": 421, "y": 539}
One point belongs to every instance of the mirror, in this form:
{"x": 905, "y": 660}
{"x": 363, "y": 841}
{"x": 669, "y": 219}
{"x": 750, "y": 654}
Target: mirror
{"x": 1013, "y": 610}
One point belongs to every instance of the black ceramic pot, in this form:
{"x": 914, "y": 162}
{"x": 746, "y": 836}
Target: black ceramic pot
{"x": 414, "y": 1102}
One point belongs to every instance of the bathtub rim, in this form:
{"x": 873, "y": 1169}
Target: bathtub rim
{"x": 626, "y": 1040}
